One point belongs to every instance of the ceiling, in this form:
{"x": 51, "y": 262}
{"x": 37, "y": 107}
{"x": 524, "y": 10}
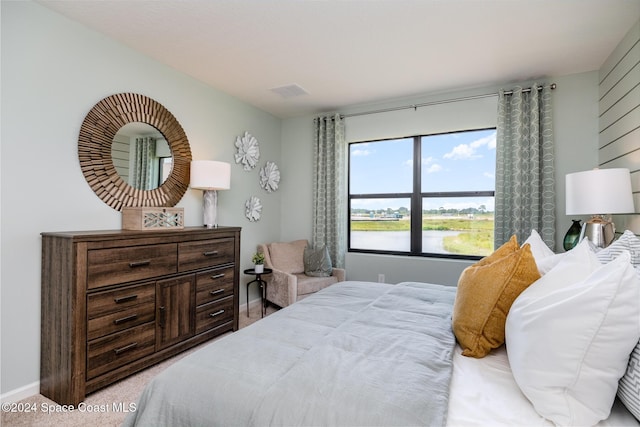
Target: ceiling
{"x": 350, "y": 52}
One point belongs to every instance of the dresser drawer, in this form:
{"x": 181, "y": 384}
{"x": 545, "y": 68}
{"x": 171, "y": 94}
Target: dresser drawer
{"x": 205, "y": 253}
{"x": 113, "y": 311}
{"x": 118, "y": 265}
{"x": 213, "y": 285}
{"x": 214, "y": 314}
{"x": 115, "y": 350}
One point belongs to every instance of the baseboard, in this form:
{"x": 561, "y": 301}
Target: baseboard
{"x": 21, "y": 393}
{"x": 243, "y": 308}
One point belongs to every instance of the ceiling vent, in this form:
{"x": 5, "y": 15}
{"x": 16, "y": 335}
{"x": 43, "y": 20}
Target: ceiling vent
{"x": 290, "y": 91}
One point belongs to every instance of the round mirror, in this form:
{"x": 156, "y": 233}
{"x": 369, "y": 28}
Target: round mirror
{"x": 141, "y": 156}
{"x": 98, "y": 163}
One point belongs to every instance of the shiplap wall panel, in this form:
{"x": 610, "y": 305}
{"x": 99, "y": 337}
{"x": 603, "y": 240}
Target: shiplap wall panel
{"x": 611, "y": 97}
{"x": 630, "y": 161}
{"x": 624, "y": 146}
{"x": 621, "y": 68}
{"x": 627, "y": 123}
{"x": 624, "y": 105}
{"x": 120, "y": 156}
{"x": 625, "y": 45}
{"x": 619, "y": 121}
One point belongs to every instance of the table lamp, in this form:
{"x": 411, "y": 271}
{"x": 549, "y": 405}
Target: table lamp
{"x": 210, "y": 176}
{"x": 600, "y": 193}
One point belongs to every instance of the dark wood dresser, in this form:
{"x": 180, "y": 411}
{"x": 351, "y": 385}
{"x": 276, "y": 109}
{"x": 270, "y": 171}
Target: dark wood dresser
{"x": 115, "y": 302}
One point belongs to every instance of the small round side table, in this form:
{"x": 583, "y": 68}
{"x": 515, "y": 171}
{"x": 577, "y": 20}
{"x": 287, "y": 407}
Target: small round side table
{"x": 261, "y": 284}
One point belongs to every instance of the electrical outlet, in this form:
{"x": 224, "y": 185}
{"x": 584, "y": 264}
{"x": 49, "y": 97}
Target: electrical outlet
{"x": 380, "y": 278}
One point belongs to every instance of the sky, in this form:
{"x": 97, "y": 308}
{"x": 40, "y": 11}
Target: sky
{"x": 462, "y": 161}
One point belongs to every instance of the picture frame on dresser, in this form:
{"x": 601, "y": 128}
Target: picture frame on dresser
{"x": 117, "y": 301}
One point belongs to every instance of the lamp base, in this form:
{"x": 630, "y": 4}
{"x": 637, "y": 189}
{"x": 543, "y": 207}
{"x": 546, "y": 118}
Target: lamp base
{"x": 599, "y": 230}
{"x": 210, "y": 208}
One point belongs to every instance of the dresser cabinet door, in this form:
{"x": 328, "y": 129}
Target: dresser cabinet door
{"x": 175, "y": 305}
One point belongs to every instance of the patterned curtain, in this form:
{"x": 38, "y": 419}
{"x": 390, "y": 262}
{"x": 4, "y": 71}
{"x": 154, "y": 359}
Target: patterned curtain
{"x": 143, "y": 163}
{"x": 329, "y": 187}
{"x": 525, "y": 190}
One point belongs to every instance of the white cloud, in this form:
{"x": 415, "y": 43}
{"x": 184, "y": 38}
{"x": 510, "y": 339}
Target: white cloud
{"x": 489, "y": 175}
{"x": 469, "y": 151}
{"x": 462, "y": 151}
{"x": 362, "y": 149}
{"x": 489, "y": 141}
{"x": 360, "y": 152}
{"x": 434, "y": 168}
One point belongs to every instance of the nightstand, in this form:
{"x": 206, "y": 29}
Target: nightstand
{"x": 261, "y": 284}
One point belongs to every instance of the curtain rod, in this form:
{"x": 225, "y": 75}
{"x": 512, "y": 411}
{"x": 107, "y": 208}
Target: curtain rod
{"x": 552, "y": 86}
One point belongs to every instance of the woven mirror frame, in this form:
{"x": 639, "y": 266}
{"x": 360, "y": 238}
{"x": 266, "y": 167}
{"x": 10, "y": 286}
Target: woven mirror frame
{"x": 94, "y": 151}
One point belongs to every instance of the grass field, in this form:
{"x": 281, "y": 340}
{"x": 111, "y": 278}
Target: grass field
{"x": 476, "y": 237}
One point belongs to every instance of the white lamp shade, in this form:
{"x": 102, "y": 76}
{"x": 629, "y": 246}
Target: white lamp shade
{"x": 210, "y": 175}
{"x": 599, "y": 192}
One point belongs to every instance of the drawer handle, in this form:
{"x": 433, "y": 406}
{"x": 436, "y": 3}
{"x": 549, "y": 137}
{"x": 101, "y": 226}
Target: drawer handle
{"x": 210, "y": 253}
{"x": 216, "y": 292}
{"x": 163, "y": 315}
{"x": 217, "y": 313}
{"x": 119, "y": 351}
{"x": 218, "y": 276}
{"x": 125, "y": 319}
{"x": 125, "y": 299}
{"x": 135, "y": 264}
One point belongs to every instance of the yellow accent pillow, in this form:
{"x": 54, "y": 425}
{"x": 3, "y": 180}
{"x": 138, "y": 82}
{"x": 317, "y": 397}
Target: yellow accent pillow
{"x": 506, "y": 249}
{"x": 486, "y": 291}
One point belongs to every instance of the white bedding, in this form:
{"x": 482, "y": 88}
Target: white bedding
{"x": 483, "y": 392}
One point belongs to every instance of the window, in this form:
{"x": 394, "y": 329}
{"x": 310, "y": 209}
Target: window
{"x": 447, "y": 178}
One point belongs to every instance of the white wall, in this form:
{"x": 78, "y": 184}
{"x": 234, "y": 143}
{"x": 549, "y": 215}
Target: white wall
{"x": 576, "y": 136}
{"x": 53, "y": 72}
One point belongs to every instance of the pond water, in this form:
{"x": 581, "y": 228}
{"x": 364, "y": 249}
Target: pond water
{"x": 399, "y": 240}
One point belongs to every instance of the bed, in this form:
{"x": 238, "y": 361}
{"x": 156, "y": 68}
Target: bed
{"x": 286, "y": 370}
{"x": 374, "y": 354}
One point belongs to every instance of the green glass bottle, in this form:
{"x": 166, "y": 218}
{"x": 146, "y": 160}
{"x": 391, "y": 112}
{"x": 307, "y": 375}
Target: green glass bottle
{"x": 572, "y": 236}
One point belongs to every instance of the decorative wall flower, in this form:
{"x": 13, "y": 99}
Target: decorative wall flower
{"x": 270, "y": 177}
{"x": 253, "y": 209}
{"x": 247, "y": 151}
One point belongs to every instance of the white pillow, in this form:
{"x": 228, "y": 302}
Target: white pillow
{"x": 568, "y": 267}
{"x": 626, "y": 242}
{"x": 539, "y": 248}
{"x": 569, "y": 336}
{"x": 546, "y": 264}
{"x": 629, "y": 386}
{"x": 545, "y": 258}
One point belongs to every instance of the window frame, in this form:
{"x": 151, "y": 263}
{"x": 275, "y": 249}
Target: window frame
{"x": 415, "y": 198}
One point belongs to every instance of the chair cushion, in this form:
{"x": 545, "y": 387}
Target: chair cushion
{"x": 288, "y": 257}
{"x": 309, "y": 285}
{"x": 317, "y": 261}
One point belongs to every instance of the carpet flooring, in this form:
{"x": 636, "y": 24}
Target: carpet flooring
{"x": 105, "y": 407}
